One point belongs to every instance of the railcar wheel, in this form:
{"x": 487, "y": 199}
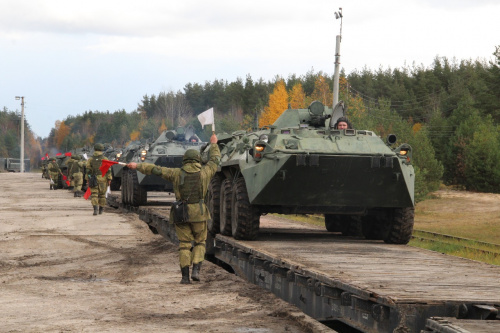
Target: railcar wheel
{"x": 213, "y": 202}
{"x": 225, "y": 207}
{"x": 245, "y": 218}
{"x": 139, "y": 193}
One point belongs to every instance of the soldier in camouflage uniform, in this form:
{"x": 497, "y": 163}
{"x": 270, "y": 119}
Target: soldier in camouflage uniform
{"x": 190, "y": 184}
{"x": 98, "y": 196}
{"x": 76, "y": 172}
{"x": 54, "y": 172}
{"x": 69, "y": 165}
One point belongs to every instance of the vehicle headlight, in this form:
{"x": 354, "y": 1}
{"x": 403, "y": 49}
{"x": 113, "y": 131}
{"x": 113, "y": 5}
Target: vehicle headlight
{"x": 143, "y": 154}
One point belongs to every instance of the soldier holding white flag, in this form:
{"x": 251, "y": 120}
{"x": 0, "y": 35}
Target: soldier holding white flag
{"x": 207, "y": 118}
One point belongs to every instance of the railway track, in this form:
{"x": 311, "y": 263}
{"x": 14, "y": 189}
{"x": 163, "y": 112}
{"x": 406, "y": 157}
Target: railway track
{"x": 368, "y": 285}
{"x": 463, "y": 243}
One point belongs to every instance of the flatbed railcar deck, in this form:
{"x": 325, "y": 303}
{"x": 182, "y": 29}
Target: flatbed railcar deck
{"x": 369, "y": 285}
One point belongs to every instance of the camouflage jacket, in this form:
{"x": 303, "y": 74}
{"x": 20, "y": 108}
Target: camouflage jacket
{"x": 90, "y": 170}
{"x": 197, "y": 212}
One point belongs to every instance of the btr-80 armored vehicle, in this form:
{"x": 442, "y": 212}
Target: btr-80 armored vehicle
{"x": 166, "y": 151}
{"x": 124, "y": 155}
{"x": 302, "y": 164}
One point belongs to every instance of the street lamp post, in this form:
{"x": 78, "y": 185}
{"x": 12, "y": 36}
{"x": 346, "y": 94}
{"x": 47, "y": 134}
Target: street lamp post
{"x": 22, "y": 131}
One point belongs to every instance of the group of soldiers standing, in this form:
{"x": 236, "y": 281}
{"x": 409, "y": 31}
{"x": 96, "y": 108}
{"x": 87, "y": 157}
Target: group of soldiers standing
{"x": 76, "y": 167}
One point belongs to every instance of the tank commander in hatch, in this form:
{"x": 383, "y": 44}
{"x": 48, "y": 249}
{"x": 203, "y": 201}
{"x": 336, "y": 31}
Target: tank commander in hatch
{"x": 190, "y": 186}
{"x": 342, "y": 123}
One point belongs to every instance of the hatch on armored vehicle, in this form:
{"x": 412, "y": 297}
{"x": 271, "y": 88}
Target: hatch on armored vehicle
{"x": 166, "y": 151}
{"x": 303, "y": 164}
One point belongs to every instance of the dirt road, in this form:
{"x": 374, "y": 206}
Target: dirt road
{"x": 64, "y": 270}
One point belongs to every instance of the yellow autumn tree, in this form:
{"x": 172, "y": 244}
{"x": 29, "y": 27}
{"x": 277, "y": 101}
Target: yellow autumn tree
{"x": 135, "y": 135}
{"x": 163, "y": 127}
{"x": 322, "y": 91}
{"x": 278, "y": 102}
{"x": 297, "y": 97}
{"x": 61, "y": 132}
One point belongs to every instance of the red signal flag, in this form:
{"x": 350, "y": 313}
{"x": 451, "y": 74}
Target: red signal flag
{"x": 67, "y": 154}
{"x": 106, "y": 164}
{"x": 87, "y": 193}
{"x": 58, "y": 154}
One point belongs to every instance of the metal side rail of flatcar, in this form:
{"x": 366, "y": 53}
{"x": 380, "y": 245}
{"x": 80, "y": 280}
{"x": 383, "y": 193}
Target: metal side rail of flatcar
{"x": 368, "y": 285}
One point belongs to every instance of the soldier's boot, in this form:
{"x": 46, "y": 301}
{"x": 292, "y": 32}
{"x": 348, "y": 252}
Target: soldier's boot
{"x": 96, "y": 208}
{"x": 75, "y": 194}
{"x": 195, "y": 276}
{"x": 79, "y": 194}
{"x": 101, "y": 208}
{"x": 51, "y": 187}
{"x": 185, "y": 275}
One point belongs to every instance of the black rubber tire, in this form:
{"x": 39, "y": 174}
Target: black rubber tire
{"x": 139, "y": 193}
{"x": 351, "y": 226}
{"x": 245, "y": 218}
{"x": 332, "y": 223}
{"x": 375, "y": 224}
{"x": 401, "y": 226}
{"x": 125, "y": 186}
{"x": 213, "y": 203}
{"x": 115, "y": 184}
{"x": 225, "y": 207}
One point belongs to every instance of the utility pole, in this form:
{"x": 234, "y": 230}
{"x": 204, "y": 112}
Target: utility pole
{"x": 337, "y": 61}
{"x": 22, "y": 132}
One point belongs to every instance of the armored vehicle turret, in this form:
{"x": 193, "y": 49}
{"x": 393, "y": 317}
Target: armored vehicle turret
{"x": 166, "y": 151}
{"x": 304, "y": 164}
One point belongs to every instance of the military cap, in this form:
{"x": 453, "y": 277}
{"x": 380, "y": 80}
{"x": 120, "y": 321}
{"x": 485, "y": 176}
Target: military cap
{"x": 191, "y": 155}
{"x": 98, "y": 147}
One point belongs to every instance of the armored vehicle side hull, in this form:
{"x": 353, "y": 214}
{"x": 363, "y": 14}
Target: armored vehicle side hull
{"x": 360, "y": 184}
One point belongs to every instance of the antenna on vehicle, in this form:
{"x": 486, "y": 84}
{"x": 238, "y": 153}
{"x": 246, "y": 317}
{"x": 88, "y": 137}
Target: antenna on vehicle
{"x": 337, "y": 60}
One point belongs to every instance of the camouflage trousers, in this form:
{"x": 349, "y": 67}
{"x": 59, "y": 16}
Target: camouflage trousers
{"x": 77, "y": 178}
{"x": 188, "y": 233}
{"x": 98, "y": 194}
{"x": 55, "y": 177}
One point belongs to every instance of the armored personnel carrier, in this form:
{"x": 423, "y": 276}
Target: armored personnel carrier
{"x": 303, "y": 164}
{"x": 167, "y": 150}
{"x": 124, "y": 155}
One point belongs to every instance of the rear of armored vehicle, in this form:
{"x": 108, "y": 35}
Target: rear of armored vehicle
{"x": 302, "y": 165}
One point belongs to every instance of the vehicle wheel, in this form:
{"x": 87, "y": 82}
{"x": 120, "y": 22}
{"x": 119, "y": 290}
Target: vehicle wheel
{"x": 115, "y": 184}
{"x": 245, "y": 218}
{"x": 401, "y": 226}
{"x": 125, "y": 187}
{"x": 375, "y": 224}
{"x": 225, "y": 207}
{"x": 351, "y": 226}
{"x": 213, "y": 202}
{"x": 139, "y": 193}
{"x": 332, "y": 223}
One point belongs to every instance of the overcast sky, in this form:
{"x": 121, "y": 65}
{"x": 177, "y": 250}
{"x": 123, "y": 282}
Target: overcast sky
{"x": 67, "y": 57}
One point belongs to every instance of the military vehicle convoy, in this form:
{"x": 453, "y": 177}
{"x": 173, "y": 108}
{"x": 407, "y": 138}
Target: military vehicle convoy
{"x": 302, "y": 164}
{"x": 167, "y": 150}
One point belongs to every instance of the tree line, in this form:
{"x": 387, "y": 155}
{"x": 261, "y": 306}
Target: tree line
{"x": 449, "y": 112}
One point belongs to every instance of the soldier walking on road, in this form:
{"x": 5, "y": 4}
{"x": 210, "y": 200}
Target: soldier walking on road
{"x": 190, "y": 186}
{"x": 76, "y": 173}
{"x": 97, "y": 183}
{"x": 54, "y": 172}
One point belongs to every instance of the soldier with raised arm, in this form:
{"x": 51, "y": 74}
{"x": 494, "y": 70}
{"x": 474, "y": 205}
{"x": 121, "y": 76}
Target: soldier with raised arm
{"x": 190, "y": 186}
